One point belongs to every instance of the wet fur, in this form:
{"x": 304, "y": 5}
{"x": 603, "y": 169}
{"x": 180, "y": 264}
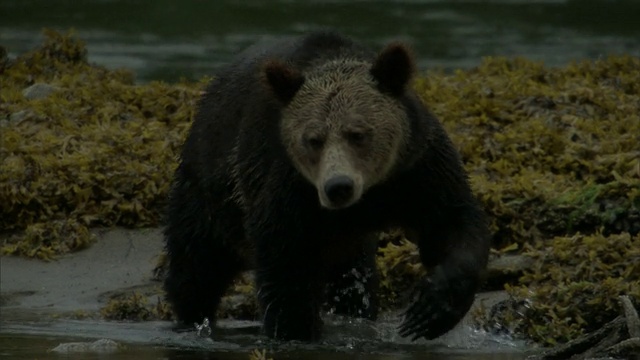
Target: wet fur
{"x": 338, "y": 98}
{"x": 242, "y": 198}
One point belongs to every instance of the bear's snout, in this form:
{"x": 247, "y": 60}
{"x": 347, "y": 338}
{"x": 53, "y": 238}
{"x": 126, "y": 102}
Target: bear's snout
{"x": 339, "y": 190}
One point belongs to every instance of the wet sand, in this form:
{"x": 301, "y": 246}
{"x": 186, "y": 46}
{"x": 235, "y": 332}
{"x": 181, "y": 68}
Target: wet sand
{"x": 120, "y": 259}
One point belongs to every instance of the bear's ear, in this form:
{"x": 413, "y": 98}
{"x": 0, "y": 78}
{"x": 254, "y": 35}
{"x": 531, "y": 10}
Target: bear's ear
{"x": 394, "y": 68}
{"x": 282, "y": 79}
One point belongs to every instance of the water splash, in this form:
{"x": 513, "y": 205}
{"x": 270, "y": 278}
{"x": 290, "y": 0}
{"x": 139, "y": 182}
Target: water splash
{"x": 204, "y": 329}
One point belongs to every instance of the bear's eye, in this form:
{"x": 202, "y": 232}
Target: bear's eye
{"x": 314, "y": 142}
{"x": 356, "y": 137}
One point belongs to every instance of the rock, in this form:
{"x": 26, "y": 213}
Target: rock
{"x": 19, "y": 116}
{"x": 38, "y": 91}
{"x": 504, "y": 269}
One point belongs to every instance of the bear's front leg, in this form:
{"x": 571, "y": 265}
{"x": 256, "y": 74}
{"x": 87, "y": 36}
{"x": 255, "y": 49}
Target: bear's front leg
{"x": 200, "y": 234}
{"x": 290, "y": 298}
{"x": 288, "y": 284}
{"x": 455, "y": 252}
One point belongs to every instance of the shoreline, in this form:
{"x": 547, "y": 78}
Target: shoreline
{"x": 119, "y": 260}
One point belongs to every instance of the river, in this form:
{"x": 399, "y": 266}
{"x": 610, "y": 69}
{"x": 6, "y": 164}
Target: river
{"x": 169, "y": 40}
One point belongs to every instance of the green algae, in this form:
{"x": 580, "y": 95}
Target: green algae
{"x": 553, "y": 155}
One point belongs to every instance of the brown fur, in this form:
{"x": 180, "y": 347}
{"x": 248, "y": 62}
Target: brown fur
{"x": 339, "y": 123}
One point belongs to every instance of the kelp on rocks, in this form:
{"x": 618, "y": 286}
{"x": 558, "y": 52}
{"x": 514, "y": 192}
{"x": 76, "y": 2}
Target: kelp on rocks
{"x": 553, "y": 155}
{"x": 93, "y": 147}
{"x": 549, "y": 151}
{"x": 573, "y": 289}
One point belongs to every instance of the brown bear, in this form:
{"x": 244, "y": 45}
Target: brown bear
{"x": 299, "y": 151}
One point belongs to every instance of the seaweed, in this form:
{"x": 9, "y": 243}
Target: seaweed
{"x": 98, "y": 150}
{"x": 259, "y": 355}
{"x": 240, "y": 302}
{"x": 47, "y": 240}
{"x": 398, "y": 262}
{"x": 528, "y": 135}
{"x": 135, "y": 306}
{"x": 572, "y": 289}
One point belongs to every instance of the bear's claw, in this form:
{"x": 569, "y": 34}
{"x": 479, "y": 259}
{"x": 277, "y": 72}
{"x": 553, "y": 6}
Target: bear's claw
{"x": 434, "y": 312}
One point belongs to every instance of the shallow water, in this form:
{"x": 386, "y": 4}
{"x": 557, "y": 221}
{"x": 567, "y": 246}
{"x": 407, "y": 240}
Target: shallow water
{"x": 165, "y": 39}
{"x": 21, "y": 338}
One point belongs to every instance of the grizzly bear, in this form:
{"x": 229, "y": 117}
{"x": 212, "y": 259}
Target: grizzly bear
{"x": 301, "y": 150}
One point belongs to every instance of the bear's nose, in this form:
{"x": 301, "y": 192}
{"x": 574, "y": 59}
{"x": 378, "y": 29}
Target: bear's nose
{"x": 339, "y": 189}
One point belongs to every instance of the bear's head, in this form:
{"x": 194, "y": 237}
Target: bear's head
{"x": 343, "y": 123}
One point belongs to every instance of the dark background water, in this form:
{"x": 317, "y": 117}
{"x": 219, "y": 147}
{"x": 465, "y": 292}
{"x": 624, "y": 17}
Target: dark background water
{"x": 169, "y": 39}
